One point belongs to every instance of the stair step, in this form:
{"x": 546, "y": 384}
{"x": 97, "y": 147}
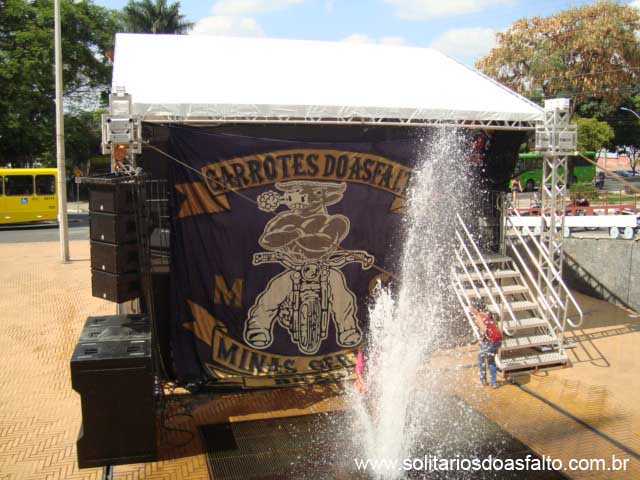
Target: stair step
{"x": 520, "y": 323}
{"x": 511, "y": 233}
{"x": 485, "y": 275}
{"x": 490, "y": 258}
{"x": 517, "y": 343}
{"x": 506, "y": 289}
{"x": 518, "y": 306}
{"x": 531, "y": 361}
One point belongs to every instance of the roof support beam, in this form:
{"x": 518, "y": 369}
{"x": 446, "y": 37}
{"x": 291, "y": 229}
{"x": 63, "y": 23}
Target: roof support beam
{"x": 471, "y": 124}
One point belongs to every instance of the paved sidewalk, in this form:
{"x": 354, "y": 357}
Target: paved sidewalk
{"x": 588, "y": 411}
{"x": 44, "y": 305}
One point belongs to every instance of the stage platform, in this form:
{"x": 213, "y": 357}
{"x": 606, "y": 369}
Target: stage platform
{"x": 588, "y": 411}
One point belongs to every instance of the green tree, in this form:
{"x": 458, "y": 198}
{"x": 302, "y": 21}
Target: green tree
{"x": 27, "y": 111}
{"x": 145, "y": 16}
{"x": 593, "y": 134}
{"x": 588, "y": 53}
{"x": 82, "y": 137}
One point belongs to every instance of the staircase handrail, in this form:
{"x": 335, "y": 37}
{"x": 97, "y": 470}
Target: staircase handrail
{"x": 465, "y": 305}
{"x": 545, "y": 254}
{"x": 556, "y": 274}
{"x": 491, "y": 276}
{"x": 561, "y": 326}
{"x": 530, "y": 275}
{"x": 484, "y": 284}
{"x": 532, "y": 280}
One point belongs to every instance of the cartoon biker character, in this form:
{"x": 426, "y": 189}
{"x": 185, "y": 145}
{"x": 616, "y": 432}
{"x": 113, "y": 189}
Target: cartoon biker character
{"x": 305, "y": 238}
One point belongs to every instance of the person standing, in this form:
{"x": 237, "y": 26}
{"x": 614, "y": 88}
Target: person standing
{"x": 516, "y": 187}
{"x": 491, "y": 339}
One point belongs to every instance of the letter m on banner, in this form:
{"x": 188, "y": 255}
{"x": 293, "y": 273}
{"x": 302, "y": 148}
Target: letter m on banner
{"x": 229, "y": 296}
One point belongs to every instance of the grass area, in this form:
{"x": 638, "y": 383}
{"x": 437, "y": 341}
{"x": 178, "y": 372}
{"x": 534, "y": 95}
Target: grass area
{"x": 598, "y": 197}
{"x": 617, "y": 198}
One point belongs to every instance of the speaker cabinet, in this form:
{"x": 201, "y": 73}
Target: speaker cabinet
{"x": 114, "y": 287}
{"x": 114, "y": 258}
{"x": 113, "y": 375}
{"x": 114, "y": 238}
{"x": 115, "y": 328}
{"x": 112, "y": 228}
{"x": 111, "y": 198}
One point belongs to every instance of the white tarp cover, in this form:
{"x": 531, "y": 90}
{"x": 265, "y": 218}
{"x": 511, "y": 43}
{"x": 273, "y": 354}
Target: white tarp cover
{"x": 232, "y": 77}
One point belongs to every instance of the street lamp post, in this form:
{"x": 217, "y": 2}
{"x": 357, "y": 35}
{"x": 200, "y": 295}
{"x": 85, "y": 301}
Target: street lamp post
{"x": 62, "y": 180}
{"x": 629, "y": 110}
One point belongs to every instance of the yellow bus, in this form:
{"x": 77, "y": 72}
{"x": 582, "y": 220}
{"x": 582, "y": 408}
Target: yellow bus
{"x": 28, "y": 195}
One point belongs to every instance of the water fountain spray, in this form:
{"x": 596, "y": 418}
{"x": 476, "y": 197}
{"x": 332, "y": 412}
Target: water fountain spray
{"x": 409, "y": 320}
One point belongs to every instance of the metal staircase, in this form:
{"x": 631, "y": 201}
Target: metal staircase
{"x": 532, "y": 318}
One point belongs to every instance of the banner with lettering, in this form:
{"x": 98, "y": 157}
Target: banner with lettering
{"x": 276, "y": 246}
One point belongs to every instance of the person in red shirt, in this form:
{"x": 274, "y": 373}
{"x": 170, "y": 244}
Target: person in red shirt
{"x": 491, "y": 339}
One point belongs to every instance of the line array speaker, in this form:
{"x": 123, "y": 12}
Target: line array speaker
{"x": 113, "y": 228}
{"x": 114, "y": 236}
{"x": 111, "y": 258}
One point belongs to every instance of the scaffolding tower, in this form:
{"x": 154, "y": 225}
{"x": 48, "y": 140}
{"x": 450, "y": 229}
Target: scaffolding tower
{"x": 556, "y": 140}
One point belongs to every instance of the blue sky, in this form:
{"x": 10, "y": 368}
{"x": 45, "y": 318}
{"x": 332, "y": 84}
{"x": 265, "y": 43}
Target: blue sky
{"x": 463, "y": 29}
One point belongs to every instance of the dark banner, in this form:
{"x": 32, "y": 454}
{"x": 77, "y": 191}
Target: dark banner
{"x": 276, "y": 246}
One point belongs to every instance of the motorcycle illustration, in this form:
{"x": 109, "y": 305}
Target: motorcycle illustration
{"x": 307, "y": 309}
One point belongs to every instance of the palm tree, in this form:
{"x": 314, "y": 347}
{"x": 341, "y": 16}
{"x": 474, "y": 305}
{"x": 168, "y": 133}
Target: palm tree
{"x": 145, "y": 16}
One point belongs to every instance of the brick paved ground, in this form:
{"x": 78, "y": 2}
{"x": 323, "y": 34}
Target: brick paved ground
{"x": 601, "y": 389}
{"x": 44, "y": 305}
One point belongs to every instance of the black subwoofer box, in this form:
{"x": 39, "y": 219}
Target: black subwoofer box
{"x": 117, "y": 288}
{"x": 112, "y": 328}
{"x": 114, "y": 258}
{"x": 113, "y": 228}
{"x": 113, "y": 374}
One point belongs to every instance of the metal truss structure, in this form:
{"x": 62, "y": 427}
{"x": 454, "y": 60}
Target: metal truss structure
{"x": 511, "y": 125}
{"x": 121, "y": 131}
{"x": 122, "y": 127}
{"x": 556, "y": 139}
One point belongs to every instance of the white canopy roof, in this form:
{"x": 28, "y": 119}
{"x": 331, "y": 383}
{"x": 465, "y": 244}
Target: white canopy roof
{"x": 211, "y": 78}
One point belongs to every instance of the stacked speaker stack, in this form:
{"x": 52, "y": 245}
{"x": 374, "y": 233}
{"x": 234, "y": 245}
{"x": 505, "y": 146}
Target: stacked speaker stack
{"x": 114, "y": 239}
{"x": 111, "y": 369}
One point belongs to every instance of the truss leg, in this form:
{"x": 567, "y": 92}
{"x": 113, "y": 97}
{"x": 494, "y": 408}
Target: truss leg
{"x": 556, "y": 139}
{"x": 107, "y": 472}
